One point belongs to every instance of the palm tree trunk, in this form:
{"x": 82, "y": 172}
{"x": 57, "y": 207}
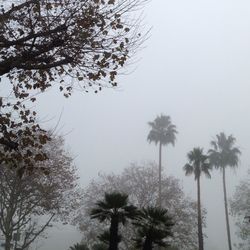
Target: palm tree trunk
{"x": 113, "y": 240}
{"x": 200, "y": 234}
{"x": 160, "y": 147}
{"x": 160, "y": 169}
{"x": 226, "y": 209}
{"x": 148, "y": 244}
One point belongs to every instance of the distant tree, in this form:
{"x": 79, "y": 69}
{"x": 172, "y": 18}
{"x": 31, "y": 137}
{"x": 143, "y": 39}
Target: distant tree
{"x": 198, "y": 163}
{"x": 42, "y": 41}
{"x": 162, "y": 132}
{"x": 141, "y": 182}
{"x": 154, "y": 226}
{"x": 115, "y": 209}
{"x": 224, "y": 154}
{"x": 31, "y": 202}
{"x": 240, "y": 207}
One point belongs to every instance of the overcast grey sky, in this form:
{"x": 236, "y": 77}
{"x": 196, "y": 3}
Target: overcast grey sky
{"x": 195, "y": 67}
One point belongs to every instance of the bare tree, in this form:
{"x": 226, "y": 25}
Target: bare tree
{"x": 30, "y": 203}
{"x": 240, "y": 207}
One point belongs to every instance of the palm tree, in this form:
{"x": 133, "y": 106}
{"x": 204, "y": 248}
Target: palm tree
{"x": 153, "y": 227}
{"x": 198, "y": 163}
{"x": 162, "y": 132}
{"x": 224, "y": 154}
{"x": 115, "y": 209}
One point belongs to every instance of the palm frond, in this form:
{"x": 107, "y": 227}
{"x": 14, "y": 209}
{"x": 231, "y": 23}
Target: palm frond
{"x": 224, "y": 153}
{"x": 206, "y": 167}
{"x": 188, "y": 169}
{"x": 198, "y": 163}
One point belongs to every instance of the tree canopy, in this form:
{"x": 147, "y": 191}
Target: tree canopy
{"x": 42, "y": 41}
{"x": 198, "y": 164}
{"x": 162, "y": 131}
{"x": 224, "y": 152}
{"x": 78, "y": 44}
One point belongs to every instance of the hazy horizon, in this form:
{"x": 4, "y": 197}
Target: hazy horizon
{"x": 194, "y": 67}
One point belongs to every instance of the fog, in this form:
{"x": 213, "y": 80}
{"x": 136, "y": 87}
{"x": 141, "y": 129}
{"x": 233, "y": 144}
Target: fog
{"x": 194, "y": 67}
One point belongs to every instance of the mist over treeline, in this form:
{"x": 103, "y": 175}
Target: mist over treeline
{"x": 123, "y": 125}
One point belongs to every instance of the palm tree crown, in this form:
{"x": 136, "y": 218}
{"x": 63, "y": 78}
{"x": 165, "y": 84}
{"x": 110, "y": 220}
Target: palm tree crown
{"x": 224, "y": 153}
{"x": 114, "y": 204}
{"x": 154, "y": 226}
{"x": 162, "y": 130}
{"x": 198, "y": 163}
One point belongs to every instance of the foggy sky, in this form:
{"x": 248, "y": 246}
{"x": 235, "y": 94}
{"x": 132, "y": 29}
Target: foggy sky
{"x": 195, "y": 67}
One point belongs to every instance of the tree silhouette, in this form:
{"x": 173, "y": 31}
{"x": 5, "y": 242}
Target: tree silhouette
{"x": 198, "y": 163}
{"x": 162, "y": 132}
{"x": 154, "y": 225}
{"x": 115, "y": 209}
{"x": 224, "y": 154}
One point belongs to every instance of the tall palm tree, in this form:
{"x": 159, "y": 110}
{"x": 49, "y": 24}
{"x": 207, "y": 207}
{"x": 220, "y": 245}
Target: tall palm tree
{"x": 162, "y": 132}
{"x": 198, "y": 163}
{"x": 115, "y": 209}
{"x": 154, "y": 225}
{"x": 224, "y": 154}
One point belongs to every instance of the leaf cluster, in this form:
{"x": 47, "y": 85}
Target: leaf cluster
{"x": 43, "y": 41}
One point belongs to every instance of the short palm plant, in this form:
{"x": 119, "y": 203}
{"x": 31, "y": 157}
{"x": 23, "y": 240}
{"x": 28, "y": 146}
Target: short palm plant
{"x": 154, "y": 226}
{"x": 198, "y": 163}
{"x": 224, "y": 154}
{"x": 115, "y": 209}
